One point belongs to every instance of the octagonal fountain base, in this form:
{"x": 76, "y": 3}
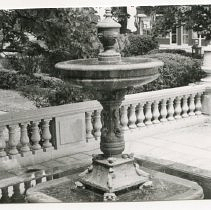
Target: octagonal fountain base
{"x": 164, "y": 187}
{"x": 113, "y": 174}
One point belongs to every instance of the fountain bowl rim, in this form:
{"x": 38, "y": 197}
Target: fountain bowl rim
{"x": 127, "y": 63}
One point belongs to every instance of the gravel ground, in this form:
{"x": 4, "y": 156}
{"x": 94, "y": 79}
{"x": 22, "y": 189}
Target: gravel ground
{"x": 11, "y": 100}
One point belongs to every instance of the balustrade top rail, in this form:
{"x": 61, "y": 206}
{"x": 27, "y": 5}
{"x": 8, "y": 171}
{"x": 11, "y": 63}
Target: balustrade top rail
{"x": 82, "y": 107}
{"x": 48, "y": 112}
{"x": 163, "y": 94}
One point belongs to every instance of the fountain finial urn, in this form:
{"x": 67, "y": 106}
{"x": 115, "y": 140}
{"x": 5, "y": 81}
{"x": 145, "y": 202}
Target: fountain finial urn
{"x": 108, "y": 31}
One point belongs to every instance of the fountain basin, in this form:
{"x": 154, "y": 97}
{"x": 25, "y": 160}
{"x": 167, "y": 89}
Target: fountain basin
{"x": 165, "y": 187}
{"x": 129, "y": 72}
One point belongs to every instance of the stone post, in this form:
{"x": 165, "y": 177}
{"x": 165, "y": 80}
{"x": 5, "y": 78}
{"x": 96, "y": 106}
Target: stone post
{"x": 206, "y": 106}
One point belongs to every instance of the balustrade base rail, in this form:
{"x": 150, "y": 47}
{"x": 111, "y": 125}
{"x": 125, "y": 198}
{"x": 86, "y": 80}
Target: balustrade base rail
{"x": 154, "y": 129}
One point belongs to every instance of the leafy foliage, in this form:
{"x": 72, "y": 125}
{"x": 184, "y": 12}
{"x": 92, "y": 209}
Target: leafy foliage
{"x": 174, "y": 51}
{"x": 42, "y": 89}
{"x": 133, "y": 44}
{"x": 121, "y": 15}
{"x": 196, "y": 17}
{"x": 178, "y": 70}
{"x": 48, "y": 35}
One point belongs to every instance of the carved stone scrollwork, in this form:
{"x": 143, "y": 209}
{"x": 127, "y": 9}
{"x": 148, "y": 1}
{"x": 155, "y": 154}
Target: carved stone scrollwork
{"x": 88, "y": 170}
{"x": 109, "y": 197}
{"x": 140, "y": 172}
{"x": 112, "y": 141}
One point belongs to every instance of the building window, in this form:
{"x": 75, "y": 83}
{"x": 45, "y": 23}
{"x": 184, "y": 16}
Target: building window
{"x": 196, "y": 35}
{"x": 185, "y": 35}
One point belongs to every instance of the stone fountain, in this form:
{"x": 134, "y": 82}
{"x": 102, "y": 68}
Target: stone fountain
{"x": 109, "y": 77}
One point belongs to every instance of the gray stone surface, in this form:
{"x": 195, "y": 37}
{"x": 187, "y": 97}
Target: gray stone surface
{"x": 70, "y": 129}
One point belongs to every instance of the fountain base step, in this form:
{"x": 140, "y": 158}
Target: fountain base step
{"x": 113, "y": 174}
{"x": 165, "y": 187}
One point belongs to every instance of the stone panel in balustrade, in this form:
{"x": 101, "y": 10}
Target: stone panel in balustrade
{"x": 70, "y": 130}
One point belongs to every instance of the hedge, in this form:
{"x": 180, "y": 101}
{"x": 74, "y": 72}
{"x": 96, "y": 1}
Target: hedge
{"x": 42, "y": 89}
{"x": 178, "y": 70}
{"x": 45, "y": 91}
{"x": 134, "y": 44}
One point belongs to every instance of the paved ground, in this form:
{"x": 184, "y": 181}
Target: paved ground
{"x": 11, "y": 100}
{"x": 190, "y": 146}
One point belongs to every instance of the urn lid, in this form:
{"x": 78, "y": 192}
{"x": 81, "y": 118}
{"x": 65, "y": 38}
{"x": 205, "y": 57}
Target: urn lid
{"x": 108, "y": 22}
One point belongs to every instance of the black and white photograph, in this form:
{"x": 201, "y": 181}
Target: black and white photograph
{"x": 105, "y": 104}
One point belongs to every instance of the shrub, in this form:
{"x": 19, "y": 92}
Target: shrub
{"x": 133, "y": 45}
{"x": 42, "y": 89}
{"x": 39, "y": 96}
{"x": 23, "y": 63}
{"x": 45, "y": 91}
{"x": 174, "y": 51}
{"x": 65, "y": 94}
{"x": 10, "y": 79}
{"x": 177, "y": 71}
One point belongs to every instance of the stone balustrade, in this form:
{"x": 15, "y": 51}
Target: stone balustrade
{"x": 162, "y": 106}
{"x": 37, "y": 132}
{"x": 28, "y": 133}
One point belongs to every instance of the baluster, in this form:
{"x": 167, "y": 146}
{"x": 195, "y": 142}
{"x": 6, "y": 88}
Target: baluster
{"x": 35, "y": 137}
{"x": 2, "y": 144}
{"x": 49, "y": 177}
{"x": 97, "y": 125}
{"x": 170, "y": 109}
{"x": 22, "y": 188}
{"x": 140, "y": 116}
{"x": 124, "y": 118}
{"x": 12, "y": 143}
{"x": 17, "y": 196}
{"x": 5, "y": 195}
{"x": 132, "y": 117}
{"x": 155, "y": 113}
{"x": 198, "y": 104}
{"x": 178, "y": 108}
{"x": 27, "y": 185}
{"x": 163, "y": 111}
{"x": 191, "y": 105}
{"x": 148, "y": 114}
{"x": 184, "y": 107}
{"x": 89, "y": 126}
{"x": 46, "y": 135}
{"x": 24, "y": 139}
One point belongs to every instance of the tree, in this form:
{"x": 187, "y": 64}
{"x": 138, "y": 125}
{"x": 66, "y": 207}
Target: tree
{"x": 196, "y": 17}
{"x": 121, "y": 15}
{"x": 37, "y": 31}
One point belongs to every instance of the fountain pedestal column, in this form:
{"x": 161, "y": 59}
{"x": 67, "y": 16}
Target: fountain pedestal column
{"x": 112, "y": 138}
{"x": 112, "y": 171}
